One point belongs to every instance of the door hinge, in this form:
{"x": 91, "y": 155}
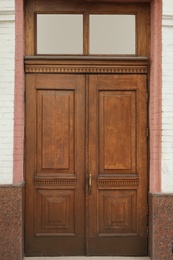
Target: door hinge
{"x": 147, "y": 97}
{"x": 147, "y": 132}
{"x": 147, "y": 209}
{"x": 147, "y": 231}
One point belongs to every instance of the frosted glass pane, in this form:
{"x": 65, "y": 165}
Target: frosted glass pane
{"x": 112, "y": 34}
{"x": 59, "y": 34}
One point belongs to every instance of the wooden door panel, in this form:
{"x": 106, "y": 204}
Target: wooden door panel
{"x": 55, "y": 164}
{"x": 117, "y": 212}
{"x": 118, "y": 246}
{"x": 117, "y": 131}
{"x": 118, "y": 165}
{"x": 55, "y": 131}
{"x": 55, "y": 212}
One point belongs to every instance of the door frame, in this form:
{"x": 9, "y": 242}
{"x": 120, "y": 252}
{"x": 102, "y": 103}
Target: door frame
{"x": 75, "y": 64}
{"x": 125, "y": 66}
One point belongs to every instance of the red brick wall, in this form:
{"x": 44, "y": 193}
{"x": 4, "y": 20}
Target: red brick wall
{"x": 19, "y": 94}
{"x": 155, "y": 96}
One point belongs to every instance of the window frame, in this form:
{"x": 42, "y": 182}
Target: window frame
{"x": 141, "y": 12}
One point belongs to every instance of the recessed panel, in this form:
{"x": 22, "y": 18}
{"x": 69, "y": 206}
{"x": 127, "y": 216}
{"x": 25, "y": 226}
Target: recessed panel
{"x": 56, "y": 129}
{"x": 117, "y": 212}
{"x": 117, "y": 131}
{"x": 55, "y": 212}
{"x": 59, "y": 34}
{"x": 112, "y": 34}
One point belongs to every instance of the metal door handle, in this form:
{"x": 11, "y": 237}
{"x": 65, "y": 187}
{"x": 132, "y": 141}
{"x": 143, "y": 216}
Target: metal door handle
{"x": 90, "y": 181}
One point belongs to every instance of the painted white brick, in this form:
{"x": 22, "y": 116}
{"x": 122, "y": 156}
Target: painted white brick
{"x": 6, "y": 178}
{"x": 168, "y": 102}
{"x": 167, "y": 145}
{"x": 7, "y": 4}
{"x": 6, "y": 157}
{"x": 2, "y": 164}
{"x": 167, "y": 96}
{"x": 167, "y": 126}
{"x": 7, "y": 58}
{"x": 5, "y": 140}
{"x": 167, "y": 7}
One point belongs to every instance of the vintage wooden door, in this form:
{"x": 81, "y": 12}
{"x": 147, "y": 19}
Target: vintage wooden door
{"x": 86, "y": 164}
{"x": 86, "y": 68}
{"x": 118, "y": 165}
{"x": 55, "y": 164}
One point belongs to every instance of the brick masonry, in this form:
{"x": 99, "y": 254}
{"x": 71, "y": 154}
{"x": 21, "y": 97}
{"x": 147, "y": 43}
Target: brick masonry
{"x": 167, "y": 96}
{"x": 7, "y": 52}
{"x": 19, "y": 95}
{"x": 155, "y": 106}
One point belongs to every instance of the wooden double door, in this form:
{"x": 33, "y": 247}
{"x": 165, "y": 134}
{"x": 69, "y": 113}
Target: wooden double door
{"x": 86, "y": 164}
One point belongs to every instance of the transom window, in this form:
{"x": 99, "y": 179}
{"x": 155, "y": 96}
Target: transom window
{"x": 87, "y": 29}
{"x": 81, "y": 34}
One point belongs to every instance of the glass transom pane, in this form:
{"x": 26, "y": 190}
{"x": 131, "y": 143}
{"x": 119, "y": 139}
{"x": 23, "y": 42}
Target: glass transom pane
{"x": 59, "y": 34}
{"x": 112, "y": 34}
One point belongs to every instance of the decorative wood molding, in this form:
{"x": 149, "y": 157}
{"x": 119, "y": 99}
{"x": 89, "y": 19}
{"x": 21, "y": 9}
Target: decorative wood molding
{"x": 86, "y": 64}
{"x": 83, "y": 69}
{"x": 118, "y": 183}
{"x": 55, "y": 182}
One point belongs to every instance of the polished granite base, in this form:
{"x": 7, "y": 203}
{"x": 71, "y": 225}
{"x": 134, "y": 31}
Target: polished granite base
{"x": 161, "y": 226}
{"x": 11, "y": 227}
{"x": 11, "y": 222}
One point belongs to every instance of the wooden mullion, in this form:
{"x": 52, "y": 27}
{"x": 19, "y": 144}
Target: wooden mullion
{"x": 86, "y": 34}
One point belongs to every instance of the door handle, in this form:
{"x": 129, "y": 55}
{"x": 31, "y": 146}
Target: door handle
{"x": 90, "y": 181}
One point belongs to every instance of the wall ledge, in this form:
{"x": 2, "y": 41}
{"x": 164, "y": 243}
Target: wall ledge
{"x": 167, "y": 20}
{"x": 14, "y": 185}
{"x": 161, "y": 194}
{"x": 7, "y": 16}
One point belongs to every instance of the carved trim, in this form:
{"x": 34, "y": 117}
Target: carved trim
{"x": 95, "y": 69}
{"x": 117, "y": 183}
{"x": 55, "y": 182}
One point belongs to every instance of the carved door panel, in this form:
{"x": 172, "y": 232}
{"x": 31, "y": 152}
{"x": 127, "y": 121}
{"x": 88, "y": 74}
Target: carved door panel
{"x": 55, "y": 165}
{"x": 117, "y": 165}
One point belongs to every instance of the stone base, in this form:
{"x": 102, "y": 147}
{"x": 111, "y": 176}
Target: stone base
{"x": 161, "y": 226}
{"x": 11, "y": 222}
